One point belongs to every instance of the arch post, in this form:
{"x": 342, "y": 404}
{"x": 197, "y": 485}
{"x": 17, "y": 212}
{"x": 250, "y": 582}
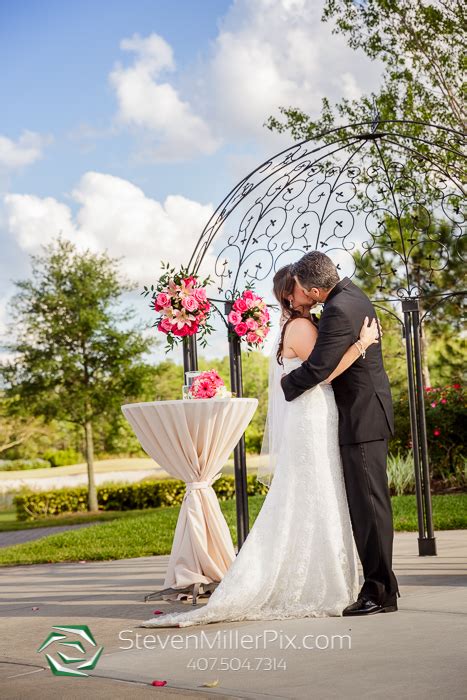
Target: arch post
{"x": 190, "y": 354}
{"x": 236, "y": 385}
{"x": 426, "y": 538}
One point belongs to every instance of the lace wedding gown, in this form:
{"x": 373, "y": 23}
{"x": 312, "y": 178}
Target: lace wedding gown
{"x": 299, "y": 559}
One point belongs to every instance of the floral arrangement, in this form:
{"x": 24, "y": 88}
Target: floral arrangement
{"x": 250, "y": 318}
{"x": 181, "y": 301}
{"x": 208, "y": 385}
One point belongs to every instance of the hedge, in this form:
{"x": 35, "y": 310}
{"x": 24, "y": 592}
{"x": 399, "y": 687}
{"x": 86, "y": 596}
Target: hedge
{"x": 144, "y": 494}
{"x": 9, "y": 465}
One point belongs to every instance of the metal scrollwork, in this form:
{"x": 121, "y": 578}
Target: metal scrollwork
{"x": 361, "y": 191}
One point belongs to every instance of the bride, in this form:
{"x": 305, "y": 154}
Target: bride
{"x": 299, "y": 559}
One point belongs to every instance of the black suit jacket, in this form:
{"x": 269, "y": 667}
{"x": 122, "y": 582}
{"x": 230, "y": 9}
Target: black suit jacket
{"x": 362, "y": 392}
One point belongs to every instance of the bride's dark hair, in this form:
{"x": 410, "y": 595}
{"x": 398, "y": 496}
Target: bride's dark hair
{"x": 283, "y": 286}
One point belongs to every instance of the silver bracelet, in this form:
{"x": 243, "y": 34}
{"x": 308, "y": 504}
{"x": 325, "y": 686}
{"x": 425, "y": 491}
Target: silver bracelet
{"x": 360, "y": 348}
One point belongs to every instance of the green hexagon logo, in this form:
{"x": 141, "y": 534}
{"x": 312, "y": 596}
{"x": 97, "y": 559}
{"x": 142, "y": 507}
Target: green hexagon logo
{"x": 79, "y": 652}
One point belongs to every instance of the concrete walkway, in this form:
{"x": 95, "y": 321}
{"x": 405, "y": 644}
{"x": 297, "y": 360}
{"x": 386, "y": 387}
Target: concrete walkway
{"x": 12, "y": 537}
{"x": 417, "y": 652}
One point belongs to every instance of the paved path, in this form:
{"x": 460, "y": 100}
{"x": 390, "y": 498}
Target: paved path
{"x": 35, "y": 533}
{"x": 415, "y": 653}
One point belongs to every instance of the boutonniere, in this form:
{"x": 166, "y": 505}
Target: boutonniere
{"x": 317, "y": 312}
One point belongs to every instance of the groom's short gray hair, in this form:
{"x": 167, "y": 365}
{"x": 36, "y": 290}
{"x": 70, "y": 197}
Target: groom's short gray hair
{"x": 315, "y": 269}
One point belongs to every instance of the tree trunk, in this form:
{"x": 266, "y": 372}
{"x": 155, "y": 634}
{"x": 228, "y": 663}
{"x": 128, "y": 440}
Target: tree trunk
{"x": 92, "y": 493}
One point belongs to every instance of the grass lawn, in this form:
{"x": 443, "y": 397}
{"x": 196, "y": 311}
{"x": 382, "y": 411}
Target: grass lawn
{"x": 8, "y": 520}
{"x": 149, "y": 532}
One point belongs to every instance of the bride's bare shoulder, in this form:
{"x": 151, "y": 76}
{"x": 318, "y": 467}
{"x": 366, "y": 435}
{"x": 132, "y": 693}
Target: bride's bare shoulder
{"x": 299, "y": 329}
{"x": 301, "y": 325}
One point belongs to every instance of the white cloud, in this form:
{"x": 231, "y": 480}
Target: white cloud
{"x": 26, "y": 150}
{"x": 115, "y": 215}
{"x": 272, "y": 53}
{"x": 268, "y": 53}
{"x": 147, "y": 103}
{"x": 34, "y": 220}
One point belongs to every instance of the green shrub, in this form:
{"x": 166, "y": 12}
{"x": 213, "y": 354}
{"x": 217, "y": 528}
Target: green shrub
{"x": 61, "y": 458}
{"x": 145, "y": 494}
{"x": 401, "y": 474}
{"x": 253, "y": 439}
{"x": 9, "y": 465}
{"x": 446, "y": 419}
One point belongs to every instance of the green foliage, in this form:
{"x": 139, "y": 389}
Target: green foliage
{"x": 421, "y": 45}
{"x": 151, "y": 532}
{"x": 255, "y": 370}
{"x": 167, "y": 381}
{"x": 446, "y": 418}
{"x": 76, "y": 356}
{"x": 10, "y": 465}
{"x": 401, "y": 474}
{"x": 403, "y": 265}
{"x": 146, "y": 494}
{"x": 72, "y": 361}
{"x": 60, "y": 458}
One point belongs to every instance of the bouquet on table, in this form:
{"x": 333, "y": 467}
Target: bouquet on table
{"x": 181, "y": 301}
{"x": 250, "y": 318}
{"x": 208, "y": 385}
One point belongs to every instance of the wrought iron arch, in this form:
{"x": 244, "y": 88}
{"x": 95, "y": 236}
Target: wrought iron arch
{"x": 355, "y": 193}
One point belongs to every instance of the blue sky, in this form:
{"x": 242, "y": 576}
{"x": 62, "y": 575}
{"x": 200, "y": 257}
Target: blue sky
{"x": 126, "y": 123}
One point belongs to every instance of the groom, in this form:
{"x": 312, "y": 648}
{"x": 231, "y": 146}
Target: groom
{"x": 366, "y": 421}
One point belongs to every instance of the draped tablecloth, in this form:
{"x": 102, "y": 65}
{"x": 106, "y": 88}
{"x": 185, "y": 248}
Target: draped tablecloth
{"x": 192, "y": 439}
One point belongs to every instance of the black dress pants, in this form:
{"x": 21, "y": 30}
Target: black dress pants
{"x": 366, "y": 482}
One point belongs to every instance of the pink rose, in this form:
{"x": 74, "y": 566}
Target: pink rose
{"x": 165, "y": 325}
{"x": 189, "y": 280}
{"x": 163, "y": 299}
{"x": 250, "y": 303}
{"x": 234, "y": 317}
{"x": 181, "y": 332}
{"x": 240, "y": 306}
{"x": 241, "y": 328}
{"x": 189, "y": 303}
{"x": 200, "y": 294}
{"x": 251, "y": 324}
{"x": 251, "y": 337}
{"x": 248, "y": 294}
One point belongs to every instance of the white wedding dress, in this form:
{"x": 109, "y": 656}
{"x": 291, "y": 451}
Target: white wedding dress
{"x": 299, "y": 559}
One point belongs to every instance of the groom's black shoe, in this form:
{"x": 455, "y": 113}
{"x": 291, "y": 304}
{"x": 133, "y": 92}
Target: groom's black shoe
{"x": 367, "y": 606}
